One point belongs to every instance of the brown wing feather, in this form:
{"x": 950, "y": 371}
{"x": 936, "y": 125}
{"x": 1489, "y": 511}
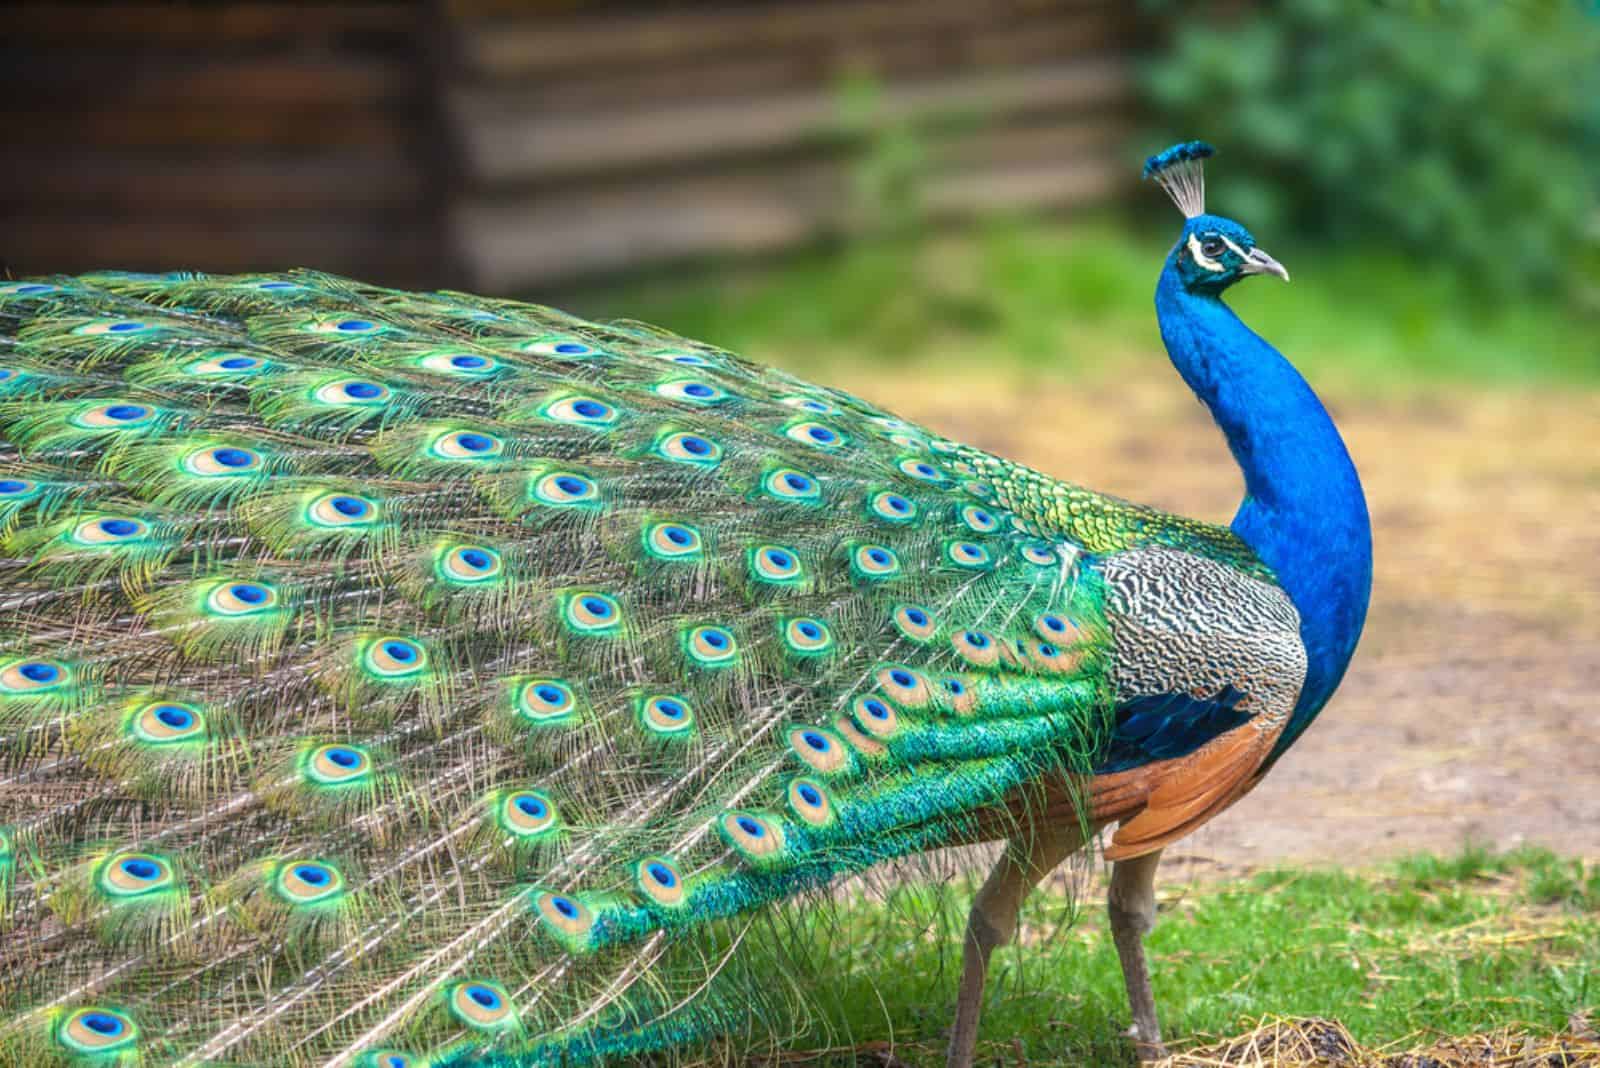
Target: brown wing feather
{"x": 1181, "y": 794}
{"x": 1157, "y": 803}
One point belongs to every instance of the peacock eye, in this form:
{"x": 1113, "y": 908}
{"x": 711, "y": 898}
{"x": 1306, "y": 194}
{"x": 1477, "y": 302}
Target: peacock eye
{"x": 1212, "y": 246}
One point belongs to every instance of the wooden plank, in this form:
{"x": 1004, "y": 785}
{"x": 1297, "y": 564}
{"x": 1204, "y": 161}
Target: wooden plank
{"x": 509, "y": 243}
{"x": 512, "y": 146}
{"x": 159, "y": 127}
{"x": 1046, "y": 139}
{"x": 205, "y": 27}
{"x": 379, "y": 186}
{"x": 747, "y": 75}
{"x": 338, "y": 83}
{"x": 540, "y": 46}
{"x": 1025, "y": 187}
{"x": 559, "y": 244}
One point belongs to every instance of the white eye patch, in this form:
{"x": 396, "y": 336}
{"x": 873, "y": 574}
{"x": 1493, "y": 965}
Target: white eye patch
{"x": 1201, "y": 258}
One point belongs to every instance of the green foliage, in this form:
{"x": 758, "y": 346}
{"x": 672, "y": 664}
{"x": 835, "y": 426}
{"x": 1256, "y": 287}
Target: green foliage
{"x": 1465, "y": 131}
{"x": 1431, "y": 944}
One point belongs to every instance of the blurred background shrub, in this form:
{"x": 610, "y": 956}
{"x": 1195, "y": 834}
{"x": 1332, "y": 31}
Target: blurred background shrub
{"x": 1464, "y": 132}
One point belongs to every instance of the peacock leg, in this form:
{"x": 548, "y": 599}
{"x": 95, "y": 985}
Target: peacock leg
{"x": 1028, "y": 857}
{"x": 1132, "y": 905}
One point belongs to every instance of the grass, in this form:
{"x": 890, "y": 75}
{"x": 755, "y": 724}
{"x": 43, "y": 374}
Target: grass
{"x": 1428, "y": 946}
{"x": 1076, "y": 298}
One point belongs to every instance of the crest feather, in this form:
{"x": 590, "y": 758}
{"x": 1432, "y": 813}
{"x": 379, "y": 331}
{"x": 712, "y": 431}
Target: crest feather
{"x": 1178, "y": 170}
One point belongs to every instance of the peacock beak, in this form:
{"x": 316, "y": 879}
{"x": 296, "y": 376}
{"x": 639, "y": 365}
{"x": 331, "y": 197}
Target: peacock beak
{"x": 1258, "y": 262}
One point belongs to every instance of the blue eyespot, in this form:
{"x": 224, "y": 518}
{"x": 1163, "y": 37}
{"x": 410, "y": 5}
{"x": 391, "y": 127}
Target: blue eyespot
{"x": 661, "y": 874}
{"x": 476, "y": 559}
{"x": 570, "y": 485}
{"x": 474, "y": 442}
{"x": 597, "y": 607}
{"x": 11, "y": 485}
{"x": 487, "y": 998}
{"x": 37, "y": 671}
{"x": 248, "y": 594}
{"x": 815, "y": 741}
{"x": 976, "y": 639}
{"x": 590, "y": 409}
{"x": 122, "y": 413}
{"x": 878, "y": 556}
{"x": 362, "y": 390}
{"x": 876, "y": 708}
{"x": 565, "y": 907}
{"x": 345, "y": 758}
{"x": 897, "y": 503}
{"x": 232, "y": 457}
{"x": 694, "y": 446}
{"x": 174, "y": 717}
{"x": 902, "y": 678}
{"x": 549, "y": 694}
{"x": 669, "y": 708}
{"x": 277, "y": 285}
{"x": 810, "y": 630}
{"x": 468, "y": 363}
{"x": 1054, "y": 623}
{"x": 353, "y": 326}
{"x": 312, "y": 874}
{"x": 102, "y": 1023}
{"x": 810, "y": 794}
{"x": 751, "y": 827}
{"x": 140, "y": 868}
{"x": 119, "y": 528}
{"x": 677, "y": 535}
{"x": 353, "y": 507}
{"x": 400, "y": 651}
{"x": 698, "y": 389}
{"x": 236, "y": 363}
{"x": 529, "y": 805}
{"x": 123, "y": 328}
{"x": 715, "y": 639}
{"x": 798, "y": 483}
{"x": 571, "y": 348}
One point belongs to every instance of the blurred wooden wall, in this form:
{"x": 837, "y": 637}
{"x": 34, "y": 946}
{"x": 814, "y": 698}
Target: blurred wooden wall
{"x": 509, "y": 146}
{"x": 217, "y": 136}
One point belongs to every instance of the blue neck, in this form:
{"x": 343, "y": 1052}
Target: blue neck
{"x": 1303, "y": 511}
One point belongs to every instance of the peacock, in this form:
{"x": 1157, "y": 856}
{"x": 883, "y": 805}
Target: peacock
{"x": 397, "y": 679}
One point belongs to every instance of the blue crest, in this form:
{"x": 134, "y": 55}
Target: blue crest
{"x": 1178, "y": 171}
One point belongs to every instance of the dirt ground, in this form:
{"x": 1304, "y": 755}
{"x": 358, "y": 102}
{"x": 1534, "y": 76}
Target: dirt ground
{"x": 1472, "y": 709}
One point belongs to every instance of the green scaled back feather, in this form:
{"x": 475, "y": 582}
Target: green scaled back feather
{"x": 398, "y": 678}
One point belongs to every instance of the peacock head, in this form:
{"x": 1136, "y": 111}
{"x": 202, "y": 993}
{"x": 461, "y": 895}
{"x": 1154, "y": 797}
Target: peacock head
{"x": 1213, "y": 252}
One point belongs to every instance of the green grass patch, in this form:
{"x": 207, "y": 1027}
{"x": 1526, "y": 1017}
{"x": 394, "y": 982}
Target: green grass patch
{"x": 1077, "y": 297}
{"x": 1429, "y": 946}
